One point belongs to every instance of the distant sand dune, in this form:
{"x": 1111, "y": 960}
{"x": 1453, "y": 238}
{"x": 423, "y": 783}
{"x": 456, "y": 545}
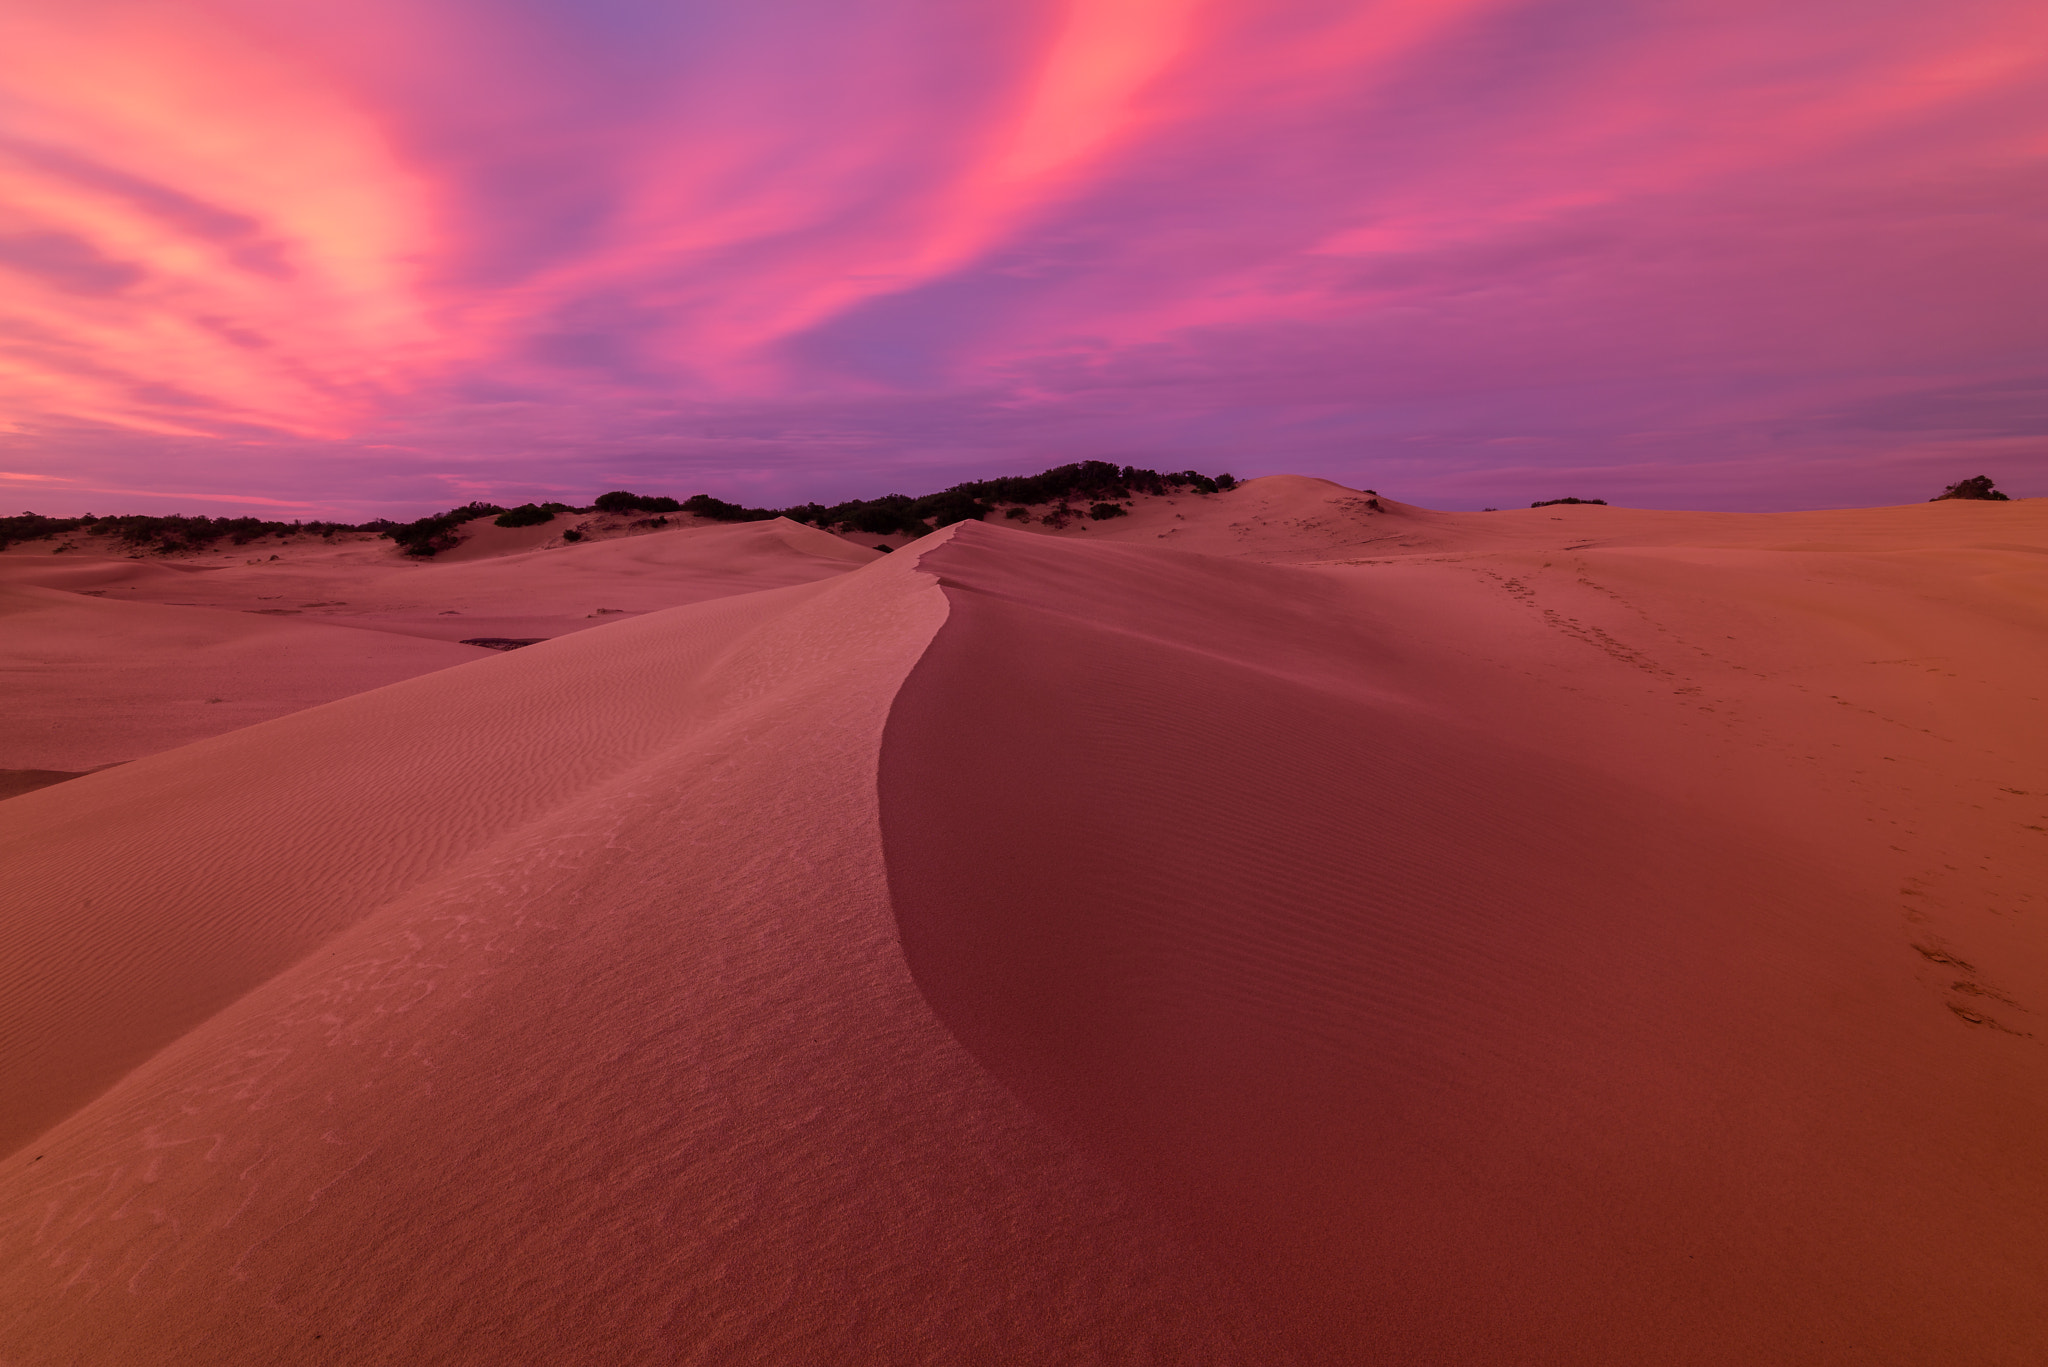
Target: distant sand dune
{"x": 109, "y": 659}
{"x": 86, "y": 682}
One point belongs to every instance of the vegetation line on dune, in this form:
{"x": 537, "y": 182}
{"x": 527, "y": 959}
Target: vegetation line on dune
{"x": 1096, "y": 483}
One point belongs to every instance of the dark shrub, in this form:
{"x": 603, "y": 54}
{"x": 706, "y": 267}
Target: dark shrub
{"x": 572, "y": 535}
{"x": 140, "y": 531}
{"x": 1552, "y": 502}
{"x": 944, "y": 509}
{"x": 1017, "y": 514}
{"x": 35, "y": 527}
{"x": 1088, "y": 481}
{"x": 1102, "y": 512}
{"x": 1980, "y": 487}
{"x": 619, "y": 501}
{"x": 432, "y": 535}
{"x": 717, "y": 509}
{"x": 526, "y": 515}
{"x": 884, "y": 516}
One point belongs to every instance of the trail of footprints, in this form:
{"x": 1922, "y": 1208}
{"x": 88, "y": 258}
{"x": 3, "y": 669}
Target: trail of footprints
{"x": 1967, "y": 995}
{"x": 1600, "y": 639}
{"x": 1592, "y": 635}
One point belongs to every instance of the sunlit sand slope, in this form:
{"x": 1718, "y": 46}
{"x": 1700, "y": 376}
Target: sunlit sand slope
{"x": 106, "y": 659}
{"x": 551, "y": 591}
{"x": 545, "y": 1009}
{"x": 1288, "y": 904}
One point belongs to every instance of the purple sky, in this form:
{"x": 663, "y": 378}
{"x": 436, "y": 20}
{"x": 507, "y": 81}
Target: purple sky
{"x": 384, "y": 257}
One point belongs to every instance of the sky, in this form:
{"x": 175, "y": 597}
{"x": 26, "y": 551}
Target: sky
{"x": 380, "y": 258}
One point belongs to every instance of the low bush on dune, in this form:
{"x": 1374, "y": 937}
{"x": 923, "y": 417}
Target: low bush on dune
{"x": 167, "y": 535}
{"x": 431, "y": 535}
{"x": 619, "y": 501}
{"x": 717, "y": 509}
{"x": 1980, "y": 487}
{"x": 531, "y": 514}
{"x": 1553, "y": 502}
{"x": 884, "y": 516}
{"x": 163, "y": 535}
{"x": 1102, "y": 512}
{"x": 1089, "y": 481}
{"x": 34, "y": 527}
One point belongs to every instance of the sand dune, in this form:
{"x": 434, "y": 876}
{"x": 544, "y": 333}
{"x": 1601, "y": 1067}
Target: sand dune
{"x": 1298, "y": 519}
{"x": 86, "y": 682}
{"x": 551, "y": 592}
{"x": 556, "y": 1016}
{"x": 105, "y": 659}
{"x": 1608, "y": 939}
{"x": 1469, "y": 1052}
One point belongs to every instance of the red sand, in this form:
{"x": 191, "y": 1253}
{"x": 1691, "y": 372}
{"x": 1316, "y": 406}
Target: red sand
{"x": 1477, "y": 939}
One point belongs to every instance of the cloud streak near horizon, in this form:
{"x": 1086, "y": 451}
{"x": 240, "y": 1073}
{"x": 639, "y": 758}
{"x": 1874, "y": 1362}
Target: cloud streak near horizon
{"x": 1666, "y": 251}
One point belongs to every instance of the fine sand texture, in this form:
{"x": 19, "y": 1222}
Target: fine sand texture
{"x": 1269, "y": 928}
{"x": 543, "y": 1009}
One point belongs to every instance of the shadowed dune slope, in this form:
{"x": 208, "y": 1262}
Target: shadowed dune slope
{"x": 14, "y": 782}
{"x": 1462, "y": 1052}
{"x": 544, "y": 1009}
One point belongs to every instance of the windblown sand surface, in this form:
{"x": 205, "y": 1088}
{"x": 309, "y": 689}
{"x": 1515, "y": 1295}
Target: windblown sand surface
{"x": 1263, "y": 929}
{"x": 105, "y": 659}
